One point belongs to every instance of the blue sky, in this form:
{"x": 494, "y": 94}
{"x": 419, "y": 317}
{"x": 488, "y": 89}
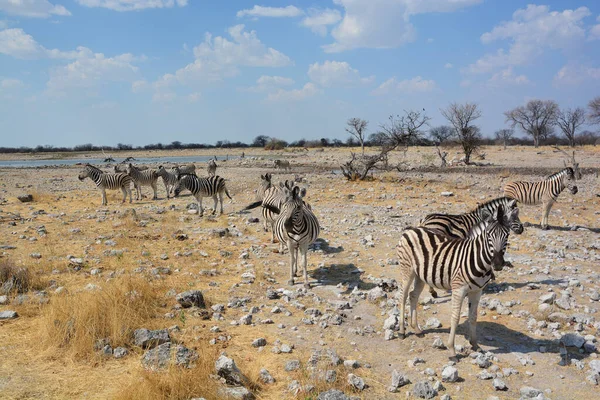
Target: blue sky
{"x": 148, "y": 71}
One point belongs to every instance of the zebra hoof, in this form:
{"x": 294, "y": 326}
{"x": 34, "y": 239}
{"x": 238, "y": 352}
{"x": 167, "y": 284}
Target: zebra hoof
{"x": 291, "y": 282}
{"x": 433, "y": 294}
{"x": 307, "y": 286}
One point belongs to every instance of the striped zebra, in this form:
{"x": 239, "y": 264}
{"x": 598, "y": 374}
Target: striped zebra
{"x": 189, "y": 169}
{"x": 462, "y": 265}
{"x": 212, "y": 168}
{"x": 213, "y": 186}
{"x": 298, "y": 227}
{"x": 107, "y": 181}
{"x": 282, "y": 164}
{"x": 543, "y": 192}
{"x": 459, "y": 226}
{"x": 123, "y": 168}
{"x": 143, "y": 178}
{"x": 271, "y": 198}
{"x": 169, "y": 178}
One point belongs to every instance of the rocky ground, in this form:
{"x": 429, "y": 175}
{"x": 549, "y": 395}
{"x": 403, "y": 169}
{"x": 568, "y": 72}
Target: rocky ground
{"x": 205, "y": 299}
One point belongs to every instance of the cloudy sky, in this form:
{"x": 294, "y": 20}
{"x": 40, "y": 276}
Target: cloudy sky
{"x": 147, "y": 71}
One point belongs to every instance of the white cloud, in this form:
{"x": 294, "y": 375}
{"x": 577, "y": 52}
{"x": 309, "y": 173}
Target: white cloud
{"x": 166, "y": 97}
{"x": 16, "y": 43}
{"x": 274, "y": 12}
{"x": 10, "y": 83}
{"x": 448, "y": 65}
{"x": 318, "y": 20}
{"x": 308, "y": 90}
{"x": 416, "y": 84}
{"x": 132, "y": 5}
{"x": 383, "y": 23}
{"x": 194, "y": 97}
{"x": 138, "y": 86}
{"x": 3, "y": 24}
{"x": 32, "y": 8}
{"x": 335, "y": 73}
{"x": 531, "y": 31}
{"x": 575, "y": 74}
{"x": 269, "y": 83}
{"x": 91, "y": 70}
{"x": 595, "y": 31}
{"x": 507, "y": 76}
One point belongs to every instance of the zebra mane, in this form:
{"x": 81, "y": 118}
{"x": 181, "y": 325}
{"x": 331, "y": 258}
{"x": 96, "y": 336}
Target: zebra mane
{"x": 478, "y": 229}
{"x": 568, "y": 171}
{"x": 494, "y": 202}
{"x": 94, "y": 168}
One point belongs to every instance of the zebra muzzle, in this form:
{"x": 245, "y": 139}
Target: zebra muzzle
{"x": 574, "y": 190}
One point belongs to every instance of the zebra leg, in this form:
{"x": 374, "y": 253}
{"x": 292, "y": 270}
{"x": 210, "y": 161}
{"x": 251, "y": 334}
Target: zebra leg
{"x": 124, "y": 193}
{"x": 414, "y": 300}
{"x": 215, "y": 205}
{"x": 221, "y": 201}
{"x": 407, "y": 281}
{"x": 155, "y": 191}
{"x": 547, "y": 206}
{"x": 129, "y": 192}
{"x": 103, "y": 191}
{"x": 303, "y": 255}
{"x": 293, "y": 261}
{"x": 473, "y": 304}
{"x": 200, "y": 209}
{"x": 458, "y": 295}
{"x": 432, "y": 292}
{"x": 167, "y": 189}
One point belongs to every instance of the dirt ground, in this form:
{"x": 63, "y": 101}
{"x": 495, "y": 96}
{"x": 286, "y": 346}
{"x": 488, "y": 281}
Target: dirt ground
{"x": 361, "y": 225}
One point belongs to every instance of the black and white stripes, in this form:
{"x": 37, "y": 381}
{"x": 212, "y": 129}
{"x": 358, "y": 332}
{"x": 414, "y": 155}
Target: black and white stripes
{"x": 107, "y": 181}
{"x": 543, "y": 192}
{"x": 143, "y": 178}
{"x": 462, "y": 265}
{"x": 213, "y": 186}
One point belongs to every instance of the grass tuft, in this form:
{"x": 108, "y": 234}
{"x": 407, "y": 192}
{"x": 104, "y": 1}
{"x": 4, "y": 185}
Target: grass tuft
{"x": 15, "y": 279}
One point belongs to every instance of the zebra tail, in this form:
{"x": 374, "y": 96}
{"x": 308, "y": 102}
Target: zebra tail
{"x": 227, "y": 193}
{"x": 251, "y": 206}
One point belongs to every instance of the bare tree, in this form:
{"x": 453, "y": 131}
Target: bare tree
{"x": 570, "y": 162}
{"x": 569, "y": 121}
{"x": 357, "y": 127}
{"x": 535, "y": 118}
{"x": 504, "y": 135}
{"x": 400, "y": 131}
{"x": 441, "y": 134}
{"x": 594, "y": 111}
{"x": 442, "y": 157}
{"x": 461, "y": 116}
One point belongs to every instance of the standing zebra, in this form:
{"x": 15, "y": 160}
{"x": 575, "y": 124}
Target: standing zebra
{"x": 543, "y": 192}
{"x": 169, "y": 179}
{"x": 185, "y": 169}
{"x": 282, "y": 164}
{"x": 143, "y": 178}
{"x": 212, "y": 168}
{"x": 298, "y": 227}
{"x": 462, "y": 265}
{"x": 459, "y": 226}
{"x": 123, "y": 168}
{"x": 212, "y": 186}
{"x": 107, "y": 181}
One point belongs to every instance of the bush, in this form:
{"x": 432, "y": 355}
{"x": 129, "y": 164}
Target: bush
{"x": 276, "y": 144}
{"x": 15, "y": 279}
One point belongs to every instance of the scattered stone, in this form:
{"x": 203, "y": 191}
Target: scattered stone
{"x": 447, "y": 194}
{"x": 227, "y": 370}
{"x": 148, "y": 339}
{"x": 356, "y": 382}
{"x": 160, "y": 357}
{"x": 265, "y": 376}
{"x": 351, "y": 364}
{"x": 292, "y": 365}
{"x": 246, "y": 319}
{"x": 3, "y": 300}
{"x": 191, "y": 298}
{"x": 499, "y": 384}
{"x": 433, "y": 323}
{"x": 260, "y": 342}
{"x": 528, "y": 392}
{"x": 572, "y": 340}
{"x": 332, "y": 394}
{"x": 8, "y": 315}
{"x": 120, "y": 352}
{"x": 398, "y": 380}
{"x": 424, "y": 390}
{"x": 438, "y": 343}
{"x": 449, "y": 374}
{"x": 236, "y": 392}
{"x": 548, "y": 298}
{"x": 25, "y": 198}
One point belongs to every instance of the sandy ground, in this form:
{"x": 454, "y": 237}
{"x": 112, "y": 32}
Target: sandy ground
{"x": 361, "y": 224}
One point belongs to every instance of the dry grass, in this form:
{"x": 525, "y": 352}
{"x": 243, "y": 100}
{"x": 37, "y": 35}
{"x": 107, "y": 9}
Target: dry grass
{"x": 75, "y": 322}
{"x": 175, "y": 383}
{"x": 14, "y": 279}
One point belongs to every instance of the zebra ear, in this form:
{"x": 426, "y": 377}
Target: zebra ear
{"x": 487, "y": 215}
{"x": 500, "y": 214}
{"x": 263, "y": 177}
{"x": 302, "y": 192}
{"x": 512, "y": 204}
{"x": 295, "y": 191}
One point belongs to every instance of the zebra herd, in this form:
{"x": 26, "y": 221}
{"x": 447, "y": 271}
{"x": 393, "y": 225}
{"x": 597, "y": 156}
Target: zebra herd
{"x": 450, "y": 252}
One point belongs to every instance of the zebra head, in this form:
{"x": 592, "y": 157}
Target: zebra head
{"x": 570, "y": 179}
{"x": 89, "y": 171}
{"x": 497, "y": 228}
{"x": 181, "y": 183}
{"x": 293, "y": 199}
{"x": 513, "y": 217}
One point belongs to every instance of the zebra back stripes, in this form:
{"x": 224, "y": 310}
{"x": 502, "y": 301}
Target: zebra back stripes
{"x": 213, "y": 186}
{"x": 143, "y": 178}
{"x": 107, "y": 181}
{"x": 462, "y": 265}
{"x": 185, "y": 169}
{"x": 298, "y": 227}
{"x": 169, "y": 179}
{"x": 212, "y": 168}
{"x": 543, "y": 192}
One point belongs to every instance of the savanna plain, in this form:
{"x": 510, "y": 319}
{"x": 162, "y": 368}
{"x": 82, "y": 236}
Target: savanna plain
{"x": 85, "y": 277}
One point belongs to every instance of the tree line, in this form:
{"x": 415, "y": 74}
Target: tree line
{"x": 539, "y": 120}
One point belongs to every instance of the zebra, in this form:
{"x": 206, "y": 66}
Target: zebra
{"x": 107, "y": 181}
{"x": 143, "y": 178}
{"x": 169, "y": 179}
{"x": 189, "y": 169}
{"x": 123, "y": 168}
{"x": 545, "y": 192}
{"x": 212, "y": 186}
{"x": 271, "y": 198}
{"x": 298, "y": 227}
{"x": 282, "y": 164}
{"x": 459, "y": 225}
{"x": 463, "y": 265}
{"x": 212, "y": 168}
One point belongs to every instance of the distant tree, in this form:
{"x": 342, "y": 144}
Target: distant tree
{"x": 337, "y": 143}
{"x": 594, "y": 111}
{"x": 275, "y": 144}
{"x": 122, "y": 146}
{"x": 536, "y": 118}
{"x": 176, "y": 144}
{"x": 504, "y": 136}
{"x": 441, "y": 134}
{"x": 324, "y": 142}
{"x": 569, "y": 121}
{"x": 404, "y": 130}
{"x": 377, "y": 139}
{"x": 260, "y": 141}
{"x": 357, "y": 128}
{"x": 461, "y": 117}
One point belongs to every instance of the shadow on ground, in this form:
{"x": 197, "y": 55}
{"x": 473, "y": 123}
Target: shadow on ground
{"x": 563, "y": 228}
{"x": 346, "y": 274}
